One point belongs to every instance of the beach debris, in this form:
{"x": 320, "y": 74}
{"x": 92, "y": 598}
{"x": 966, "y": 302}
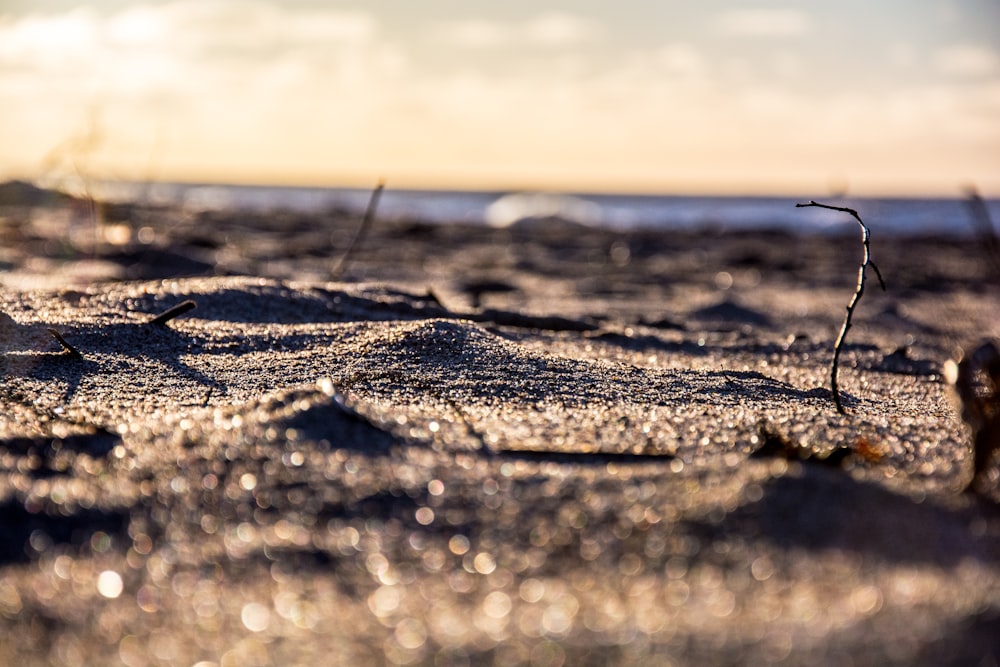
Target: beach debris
{"x": 976, "y": 377}
{"x": 175, "y": 311}
{"x": 665, "y": 322}
{"x": 70, "y": 350}
{"x": 729, "y": 315}
{"x": 773, "y": 444}
{"x": 868, "y": 450}
{"x": 477, "y": 288}
{"x": 855, "y": 298}
{"x": 506, "y": 318}
{"x": 595, "y": 458}
{"x": 359, "y": 236}
{"x": 902, "y": 361}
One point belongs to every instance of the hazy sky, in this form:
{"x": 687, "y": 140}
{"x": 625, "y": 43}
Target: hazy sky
{"x": 893, "y": 96}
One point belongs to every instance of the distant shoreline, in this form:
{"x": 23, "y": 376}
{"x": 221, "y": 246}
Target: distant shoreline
{"x": 887, "y": 215}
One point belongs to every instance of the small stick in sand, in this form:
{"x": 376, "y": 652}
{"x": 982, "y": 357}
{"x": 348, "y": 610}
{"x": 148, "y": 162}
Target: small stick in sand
{"x": 171, "y": 313}
{"x": 70, "y": 350}
{"x": 858, "y": 292}
{"x": 366, "y": 222}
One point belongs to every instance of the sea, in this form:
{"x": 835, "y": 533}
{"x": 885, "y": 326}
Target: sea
{"x": 961, "y": 217}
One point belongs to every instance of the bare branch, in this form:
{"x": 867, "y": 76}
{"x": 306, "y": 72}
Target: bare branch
{"x": 858, "y": 292}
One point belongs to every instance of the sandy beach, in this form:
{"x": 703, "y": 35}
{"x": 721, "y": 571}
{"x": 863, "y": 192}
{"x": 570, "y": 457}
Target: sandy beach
{"x": 546, "y": 445}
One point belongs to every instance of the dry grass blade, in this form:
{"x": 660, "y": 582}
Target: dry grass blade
{"x": 858, "y": 292}
{"x": 366, "y": 222}
{"x": 987, "y": 233}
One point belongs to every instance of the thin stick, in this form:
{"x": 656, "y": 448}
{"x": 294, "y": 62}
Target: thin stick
{"x": 171, "y": 313}
{"x": 858, "y": 292}
{"x": 366, "y": 222}
{"x": 70, "y": 350}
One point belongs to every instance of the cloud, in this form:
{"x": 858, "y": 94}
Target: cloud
{"x": 46, "y": 42}
{"x": 557, "y": 29}
{"x": 476, "y": 33}
{"x": 210, "y": 75}
{"x": 682, "y": 59}
{"x": 551, "y": 29}
{"x": 967, "y": 60}
{"x": 183, "y": 29}
{"x": 763, "y": 22}
{"x": 185, "y": 44}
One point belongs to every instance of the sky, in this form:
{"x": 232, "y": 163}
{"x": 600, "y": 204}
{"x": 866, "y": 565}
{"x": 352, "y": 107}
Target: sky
{"x": 895, "y": 97}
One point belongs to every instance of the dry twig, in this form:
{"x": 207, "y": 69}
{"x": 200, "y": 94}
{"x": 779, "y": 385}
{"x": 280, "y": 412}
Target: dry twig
{"x": 858, "y": 292}
{"x": 70, "y": 350}
{"x": 171, "y": 313}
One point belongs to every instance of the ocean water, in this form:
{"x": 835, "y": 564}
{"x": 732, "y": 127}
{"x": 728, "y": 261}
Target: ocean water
{"x": 897, "y": 216}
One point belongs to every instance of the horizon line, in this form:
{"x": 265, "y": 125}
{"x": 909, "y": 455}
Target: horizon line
{"x": 75, "y": 183}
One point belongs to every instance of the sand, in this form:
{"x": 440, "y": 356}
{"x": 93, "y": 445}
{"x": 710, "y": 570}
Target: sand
{"x": 542, "y": 445}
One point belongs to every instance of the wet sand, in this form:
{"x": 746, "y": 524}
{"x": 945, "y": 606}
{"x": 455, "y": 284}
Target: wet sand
{"x": 545, "y": 445}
